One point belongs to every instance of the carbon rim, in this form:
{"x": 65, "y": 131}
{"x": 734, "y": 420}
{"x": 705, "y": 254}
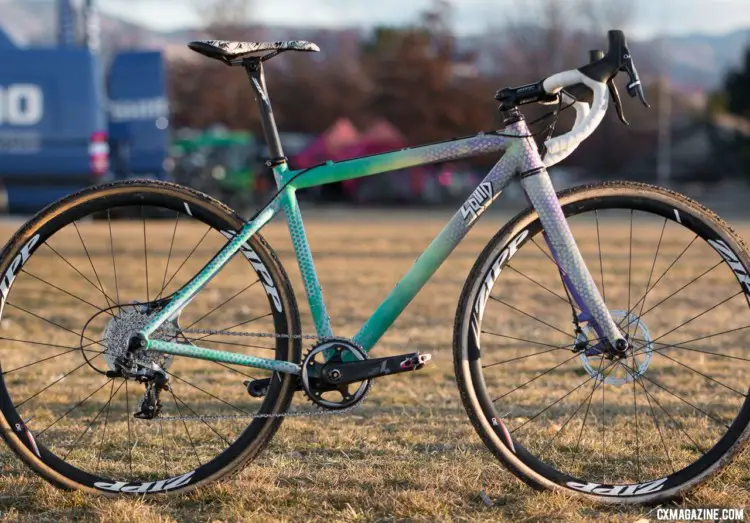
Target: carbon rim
{"x": 503, "y": 407}
{"x": 166, "y": 466}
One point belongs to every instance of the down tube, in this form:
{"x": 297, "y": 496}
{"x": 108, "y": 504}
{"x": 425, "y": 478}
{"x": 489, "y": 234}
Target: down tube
{"x": 440, "y": 248}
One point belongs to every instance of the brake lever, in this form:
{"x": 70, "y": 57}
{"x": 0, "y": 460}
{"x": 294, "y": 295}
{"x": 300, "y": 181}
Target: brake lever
{"x": 635, "y": 88}
{"x": 616, "y": 99}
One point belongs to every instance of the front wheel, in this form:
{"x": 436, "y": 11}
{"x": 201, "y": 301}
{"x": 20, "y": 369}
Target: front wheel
{"x": 563, "y": 413}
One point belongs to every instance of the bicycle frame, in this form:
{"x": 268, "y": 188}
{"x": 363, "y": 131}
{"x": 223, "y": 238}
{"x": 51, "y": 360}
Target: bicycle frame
{"x": 521, "y": 159}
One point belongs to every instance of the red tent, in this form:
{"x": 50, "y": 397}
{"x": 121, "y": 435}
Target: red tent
{"x": 327, "y": 146}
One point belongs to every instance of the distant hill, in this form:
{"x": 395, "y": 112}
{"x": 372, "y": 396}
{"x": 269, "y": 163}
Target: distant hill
{"x": 697, "y": 62}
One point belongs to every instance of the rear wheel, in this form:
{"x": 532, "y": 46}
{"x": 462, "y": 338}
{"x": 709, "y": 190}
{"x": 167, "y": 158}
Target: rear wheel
{"x": 74, "y": 291}
{"x": 561, "y": 412}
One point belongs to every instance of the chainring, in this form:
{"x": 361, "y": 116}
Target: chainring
{"x": 327, "y": 394}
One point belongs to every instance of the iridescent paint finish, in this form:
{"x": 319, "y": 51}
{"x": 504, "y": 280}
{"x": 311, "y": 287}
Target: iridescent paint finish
{"x": 521, "y": 158}
{"x": 191, "y": 351}
{"x": 330, "y": 172}
{"x": 563, "y": 246}
{"x": 188, "y": 292}
{"x": 441, "y": 247}
{"x": 306, "y": 266}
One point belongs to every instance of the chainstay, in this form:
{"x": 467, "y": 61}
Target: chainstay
{"x": 294, "y": 414}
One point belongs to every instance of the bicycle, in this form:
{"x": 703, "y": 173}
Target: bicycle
{"x": 140, "y": 335}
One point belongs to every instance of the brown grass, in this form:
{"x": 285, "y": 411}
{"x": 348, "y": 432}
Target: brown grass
{"x": 410, "y": 451}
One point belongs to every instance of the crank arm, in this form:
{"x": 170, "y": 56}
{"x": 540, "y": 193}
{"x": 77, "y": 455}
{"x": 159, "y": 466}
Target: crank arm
{"x": 338, "y": 373}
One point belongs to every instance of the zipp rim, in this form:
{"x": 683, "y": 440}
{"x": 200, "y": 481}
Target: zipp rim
{"x": 469, "y": 369}
{"x": 256, "y": 435}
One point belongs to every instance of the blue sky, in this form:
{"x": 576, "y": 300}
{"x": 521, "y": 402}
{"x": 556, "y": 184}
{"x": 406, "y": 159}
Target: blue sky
{"x": 651, "y": 17}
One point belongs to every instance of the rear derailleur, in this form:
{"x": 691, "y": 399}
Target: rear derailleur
{"x": 153, "y": 377}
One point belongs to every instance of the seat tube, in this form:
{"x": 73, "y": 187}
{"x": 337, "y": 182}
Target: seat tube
{"x": 559, "y": 238}
{"x": 305, "y": 261}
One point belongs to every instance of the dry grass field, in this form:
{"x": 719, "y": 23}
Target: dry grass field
{"x": 409, "y": 452}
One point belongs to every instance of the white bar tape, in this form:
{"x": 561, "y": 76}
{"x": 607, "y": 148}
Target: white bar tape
{"x": 582, "y": 110}
{"x": 588, "y": 123}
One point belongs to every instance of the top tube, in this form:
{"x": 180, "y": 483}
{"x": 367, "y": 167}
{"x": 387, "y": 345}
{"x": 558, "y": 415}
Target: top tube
{"x": 330, "y": 172}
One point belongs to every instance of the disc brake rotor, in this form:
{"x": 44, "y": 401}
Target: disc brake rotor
{"x": 636, "y": 361}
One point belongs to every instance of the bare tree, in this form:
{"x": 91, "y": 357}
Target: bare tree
{"x": 604, "y": 15}
{"x": 227, "y": 19}
{"x": 549, "y": 35}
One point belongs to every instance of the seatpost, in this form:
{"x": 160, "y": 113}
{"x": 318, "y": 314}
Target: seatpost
{"x": 254, "y": 69}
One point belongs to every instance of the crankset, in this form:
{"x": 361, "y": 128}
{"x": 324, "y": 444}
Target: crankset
{"x": 335, "y": 373}
{"x": 332, "y": 367}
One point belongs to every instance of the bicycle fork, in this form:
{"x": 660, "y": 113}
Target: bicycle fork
{"x": 576, "y": 276}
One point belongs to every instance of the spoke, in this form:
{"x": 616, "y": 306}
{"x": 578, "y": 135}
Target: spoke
{"x": 44, "y": 344}
{"x": 568, "y": 420}
{"x": 601, "y": 265}
{"x": 630, "y": 265}
{"x": 540, "y": 285}
{"x": 145, "y": 252}
{"x": 184, "y": 262}
{"x": 703, "y": 375}
{"x": 651, "y": 272}
{"x": 163, "y": 447}
{"x": 665, "y": 272}
{"x": 96, "y": 274}
{"x": 535, "y": 378}
{"x": 522, "y": 357}
{"x": 57, "y": 325}
{"x": 74, "y": 407}
{"x": 190, "y": 438}
{"x": 169, "y": 256}
{"x": 550, "y": 258}
{"x": 91, "y": 424}
{"x": 674, "y": 421}
{"x": 222, "y": 304}
{"x": 234, "y": 370}
{"x": 604, "y": 425}
{"x": 699, "y": 315}
{"x": 201, "y": 419}
{"x": 558, "y": 400}
{"x": 58, "y": 380}
{"x": 588, "y": 407}
{"x": 206, "y": 392}
{"x": 68, "y": 293}
{"x": 112, "y": 249}
{"x": 635, "y": 413}
{"x": 75, "y": 349}
{"x": 532, "y": 317}
{"x": 130, "y": 438}
{"x": 106, "y": 298}
{"x": 658, "y": 428}
{"x": 528, "y": 341}
{"x": 682, "y": 347}
{"x": 678, "y": 290}
{"x": 112, "y": 393}
{"x": 716, "y": 420}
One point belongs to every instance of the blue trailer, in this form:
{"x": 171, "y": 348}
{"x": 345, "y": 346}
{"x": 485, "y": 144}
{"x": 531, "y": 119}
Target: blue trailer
{"x": 66, "y": 123}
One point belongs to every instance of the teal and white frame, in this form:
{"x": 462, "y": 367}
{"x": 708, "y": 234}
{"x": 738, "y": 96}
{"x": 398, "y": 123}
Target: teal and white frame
{"x": 521, "y": 159}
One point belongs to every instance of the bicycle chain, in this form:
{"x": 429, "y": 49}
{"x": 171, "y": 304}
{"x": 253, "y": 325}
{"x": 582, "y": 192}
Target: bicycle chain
{"x": 294, "y": 414}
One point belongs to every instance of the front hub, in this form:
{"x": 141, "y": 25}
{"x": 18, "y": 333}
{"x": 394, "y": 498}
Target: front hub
{"x": 618, "y": 365}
